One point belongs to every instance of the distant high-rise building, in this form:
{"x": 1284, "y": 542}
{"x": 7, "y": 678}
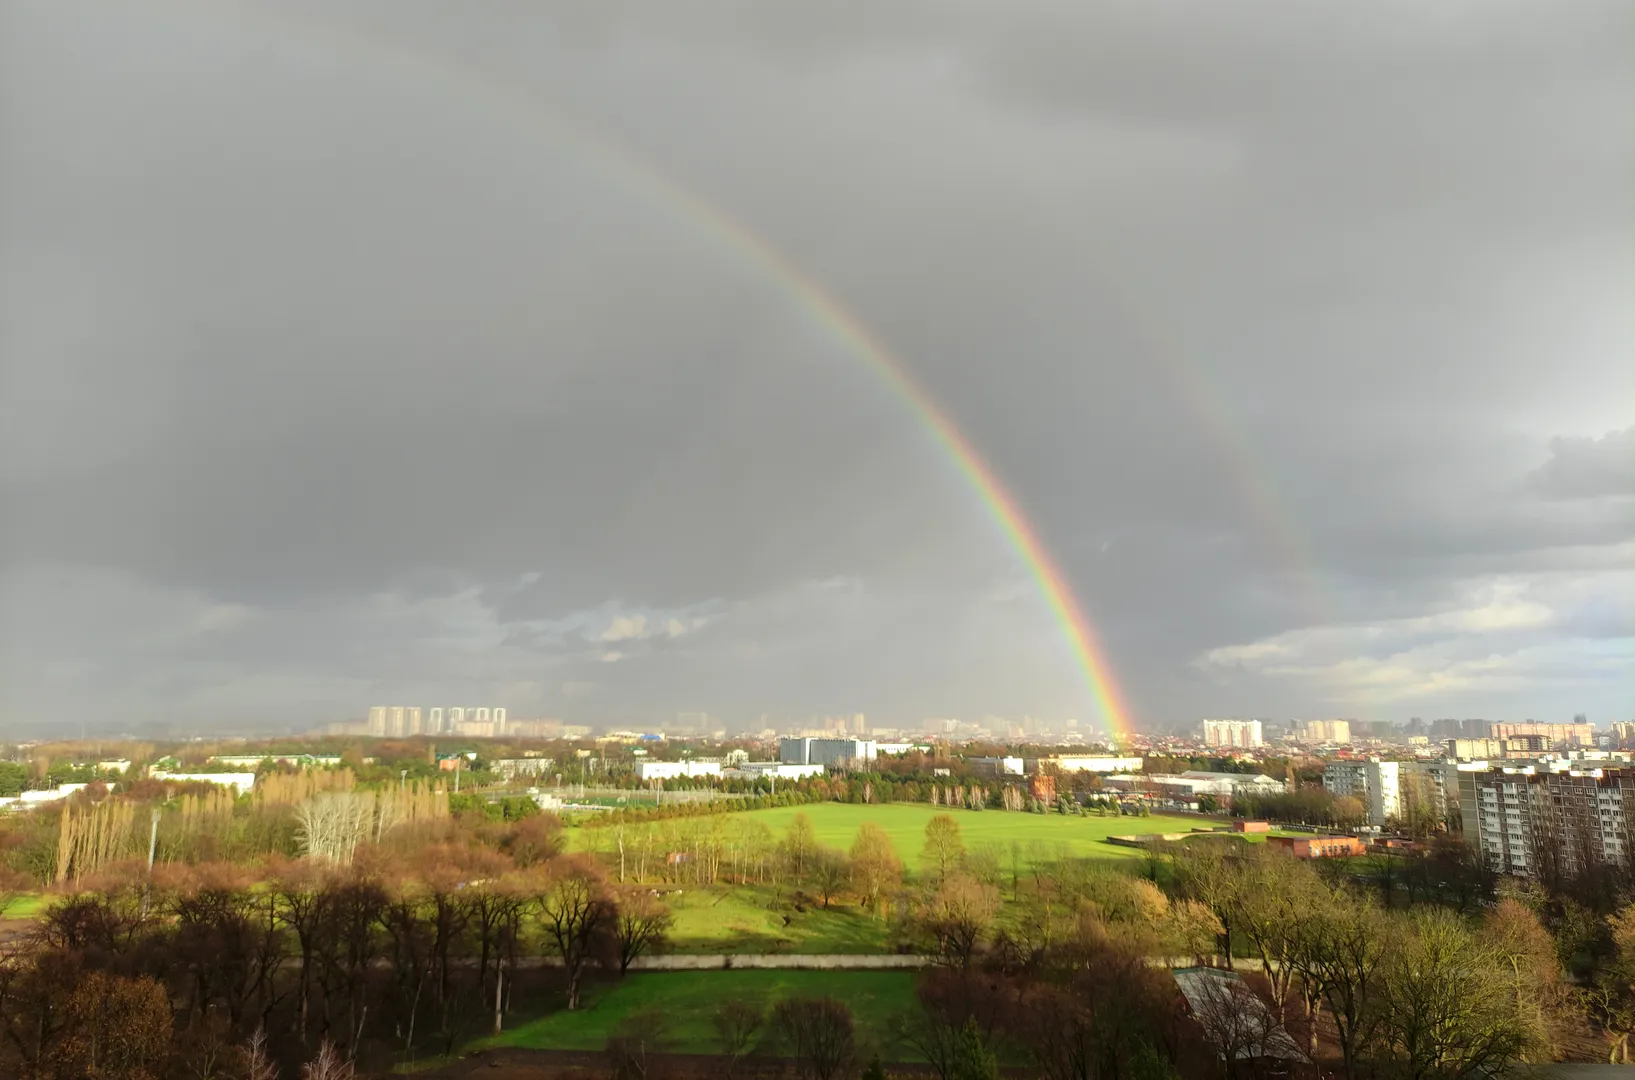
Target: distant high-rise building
{"x": 1571, "y": 734}
{"x": 860, "y": 724}
{"x": 434, "y": 721}
{"x": 1238, "y": 734}
{"x": 499, "y": 721}
{"x": 377, "y": 720}
{"x": 395, "y": 721}
{"x": 413, "y": 720}
{"x": 1326, "y": 731}
{"x": 1477, "y": 749}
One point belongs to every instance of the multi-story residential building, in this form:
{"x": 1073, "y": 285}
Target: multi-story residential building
{"x": 401, "y": 721}
{"x": 1573, "y": 734}
{"x": 1326, "y": 731}
{"x": 1244, "y": 734}
{"x": 1548, "y": 819}
{"x": 1476, "y": 749}
{"x": 1376, "y": 784}
{"x": 1623, "y": 734}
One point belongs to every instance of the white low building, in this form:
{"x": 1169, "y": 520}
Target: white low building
{"x": 670, "y": 770}
{"x": 28, "y": 800}
{"x": 239, "y": 781}
{"x": 253, "y": 761}
{"x": 1097, "y": 763}
{"x": 1189, "y": 785}
{"x": 780, "y": 770}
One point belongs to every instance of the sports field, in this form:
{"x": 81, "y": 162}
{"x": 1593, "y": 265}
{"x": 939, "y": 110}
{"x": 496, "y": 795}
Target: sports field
{"x": 683, "y": 1002}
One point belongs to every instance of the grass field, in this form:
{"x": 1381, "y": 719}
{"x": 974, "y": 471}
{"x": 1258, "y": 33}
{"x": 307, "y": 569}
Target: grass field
{"x": 1038, "y": 836}
{"x": 686, "y": 1000}
{"x": 758, "y": 919}
{"x": 27, "y": 906}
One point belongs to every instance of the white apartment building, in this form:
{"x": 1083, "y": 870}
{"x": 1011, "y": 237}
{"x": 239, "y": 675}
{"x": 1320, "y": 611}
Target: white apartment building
{"x": 1376, "y": 784}
{"x": 1243, "y": 734}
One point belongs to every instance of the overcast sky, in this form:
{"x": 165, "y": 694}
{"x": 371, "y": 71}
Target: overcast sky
{"x": 333, "y": 373}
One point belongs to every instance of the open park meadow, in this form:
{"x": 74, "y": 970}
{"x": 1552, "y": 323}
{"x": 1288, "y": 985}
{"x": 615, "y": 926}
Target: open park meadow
{"x": 400, "y": 926}
{"x": 760, "y": 911}
{"x": 732, "y": 886}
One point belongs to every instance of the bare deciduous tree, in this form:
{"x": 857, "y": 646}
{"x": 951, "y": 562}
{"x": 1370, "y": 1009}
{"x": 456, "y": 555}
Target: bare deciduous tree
{"x": 327, "y": 1064}
{"x": 642, "y": 924}
{"x": 944, "y": 849}
{"x": 737, "y": 1021}
{"x": 820, "y": 1035}
{"x": 829, "y": 874}
{"x": 956, "y": 915}
{"x": 874, "y": 864}
{"x": 576, "y": 912}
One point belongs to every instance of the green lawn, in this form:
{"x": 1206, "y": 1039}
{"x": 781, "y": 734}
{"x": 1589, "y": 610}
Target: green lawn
{"x": 1038, "y": 836}
{"x": 27, "y": 906}
{"x": 752, "y": 919}
{"x": 686, "y": 1000}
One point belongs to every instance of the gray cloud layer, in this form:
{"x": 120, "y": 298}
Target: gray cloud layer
{"x": 328, "y": 375}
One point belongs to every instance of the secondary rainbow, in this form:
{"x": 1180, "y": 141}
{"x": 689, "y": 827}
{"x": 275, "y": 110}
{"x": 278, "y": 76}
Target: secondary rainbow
{"x": 640, "y": 177}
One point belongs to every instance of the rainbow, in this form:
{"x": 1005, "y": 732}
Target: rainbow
{"x": 820, "y": 306}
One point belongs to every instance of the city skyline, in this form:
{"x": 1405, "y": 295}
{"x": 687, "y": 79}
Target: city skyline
{"x": 957, "y": 360}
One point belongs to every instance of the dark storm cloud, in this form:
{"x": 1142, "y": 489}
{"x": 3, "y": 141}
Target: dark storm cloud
{"x": 1296, "y": 332}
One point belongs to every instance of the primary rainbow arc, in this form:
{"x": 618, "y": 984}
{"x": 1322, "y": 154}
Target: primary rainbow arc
{"x": 826, "y": 312}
